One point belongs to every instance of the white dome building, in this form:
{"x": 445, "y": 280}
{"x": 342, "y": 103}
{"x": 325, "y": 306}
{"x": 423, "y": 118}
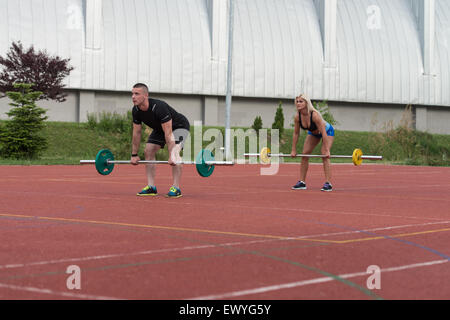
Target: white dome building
{"x": 368, "y": 58}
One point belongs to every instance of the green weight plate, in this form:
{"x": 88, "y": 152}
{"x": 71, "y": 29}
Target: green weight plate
{"x": 204, "y": 169}
{"x": 101, "y": 162}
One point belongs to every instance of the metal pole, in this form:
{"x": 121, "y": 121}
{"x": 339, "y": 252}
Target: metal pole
{"x": 280, "y": 155}
{"x": 215, "y": 163}
{"x": 228, "y": 152}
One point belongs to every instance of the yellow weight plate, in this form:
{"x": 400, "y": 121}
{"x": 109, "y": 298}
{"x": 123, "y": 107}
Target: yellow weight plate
{"x": 357, "y": 157}
{"x": 264, "y": 155}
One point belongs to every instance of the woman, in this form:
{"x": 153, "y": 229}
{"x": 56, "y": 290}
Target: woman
{"x": 308, "y": 118}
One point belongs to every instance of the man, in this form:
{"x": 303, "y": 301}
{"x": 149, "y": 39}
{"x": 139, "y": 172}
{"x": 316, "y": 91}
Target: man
{"x": 168, "y": 127}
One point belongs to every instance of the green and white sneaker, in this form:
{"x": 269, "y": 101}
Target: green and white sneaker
{"x": 148, "y": 191}
{"x": 174, "y": 192}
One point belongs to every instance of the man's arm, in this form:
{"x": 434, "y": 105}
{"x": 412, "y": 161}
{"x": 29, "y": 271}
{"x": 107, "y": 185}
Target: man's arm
{"x": 170, "y": 140}
{"x": 136, "y": 142}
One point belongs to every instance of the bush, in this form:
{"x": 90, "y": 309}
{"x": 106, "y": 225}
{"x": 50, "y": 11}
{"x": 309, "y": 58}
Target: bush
{"x": 404, "y": 144}
{"x": 119, "y": 128}
{"x": 257, "y": 124}
{"x": 279, "y": 119}
{"x": 324, "y": 110}
{"x": 111, "y": 122}
{"x": 20, "y": 137}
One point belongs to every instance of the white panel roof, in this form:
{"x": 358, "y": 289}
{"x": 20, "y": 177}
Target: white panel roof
{"x": 380, "y": 63}
{"x": 180, "y": 46}
{"x": 441, "y": 93}
{"x": 277, "y": 48}
{"x": 52, "y": 25}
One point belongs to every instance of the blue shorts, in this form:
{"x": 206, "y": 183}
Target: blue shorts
{"x": 330, "y": 132}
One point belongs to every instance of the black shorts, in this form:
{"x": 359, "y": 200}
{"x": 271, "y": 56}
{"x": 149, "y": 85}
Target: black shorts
{"x": 158, "y": 137}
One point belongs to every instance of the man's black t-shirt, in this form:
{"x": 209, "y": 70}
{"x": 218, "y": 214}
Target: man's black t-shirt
{"x": 159, "y": 112}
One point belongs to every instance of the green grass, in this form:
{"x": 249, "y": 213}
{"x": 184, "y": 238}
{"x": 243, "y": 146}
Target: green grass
{"x": 71, "y": 142}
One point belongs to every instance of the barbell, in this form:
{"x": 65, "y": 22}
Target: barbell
{"x": 204, "y": 162}
{"x": 357, "y": 156}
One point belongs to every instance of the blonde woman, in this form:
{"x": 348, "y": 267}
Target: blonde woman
{"x": 308, "y": 118}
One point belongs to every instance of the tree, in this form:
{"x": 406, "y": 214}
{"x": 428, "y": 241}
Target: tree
{"x": 279, "y": 119}
{"x": 324, "y": 110}
{"x": 257, "y": 124}
{"x": 19, "y": 137}
{"x": 28, "y": 66}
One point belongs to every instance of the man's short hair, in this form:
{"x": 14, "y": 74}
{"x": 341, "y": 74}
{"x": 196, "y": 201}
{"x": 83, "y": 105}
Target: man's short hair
{"x": 141, "y": 85}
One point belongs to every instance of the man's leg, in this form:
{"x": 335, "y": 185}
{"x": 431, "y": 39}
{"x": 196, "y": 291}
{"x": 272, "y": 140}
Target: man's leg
{"x": 181, "y": 135}
{"x": 150, "y": 154}
{"x": 178, "y": 169}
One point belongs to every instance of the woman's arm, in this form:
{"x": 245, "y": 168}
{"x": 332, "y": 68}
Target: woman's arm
{"x": 295, "y": 135}
{"x": 326, "y": 140}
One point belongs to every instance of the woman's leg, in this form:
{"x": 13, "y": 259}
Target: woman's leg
{"x": 310, "y": 143}
{"x": 327, "y": 163}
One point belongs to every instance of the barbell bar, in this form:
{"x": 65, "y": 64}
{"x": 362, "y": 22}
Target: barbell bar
{"x": 204, "y": 162}
{"x": 357, "y": 156}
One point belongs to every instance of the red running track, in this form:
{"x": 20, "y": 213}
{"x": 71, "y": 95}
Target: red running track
{"x": 235, "y": 235}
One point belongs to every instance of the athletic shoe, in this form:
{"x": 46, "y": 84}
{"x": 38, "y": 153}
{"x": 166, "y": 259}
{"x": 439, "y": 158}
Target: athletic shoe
{"x": 148, "y": 191}
{"x": 327, "y": 187}
{"x": 299, "y": 186}
{"x": 174, "y": 192}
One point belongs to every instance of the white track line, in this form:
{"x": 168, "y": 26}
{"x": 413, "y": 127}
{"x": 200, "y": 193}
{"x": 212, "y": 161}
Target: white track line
{"x": 289, "y": 285}
{"x": 229, "y": 244}
{"x": 56, "y": 293}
